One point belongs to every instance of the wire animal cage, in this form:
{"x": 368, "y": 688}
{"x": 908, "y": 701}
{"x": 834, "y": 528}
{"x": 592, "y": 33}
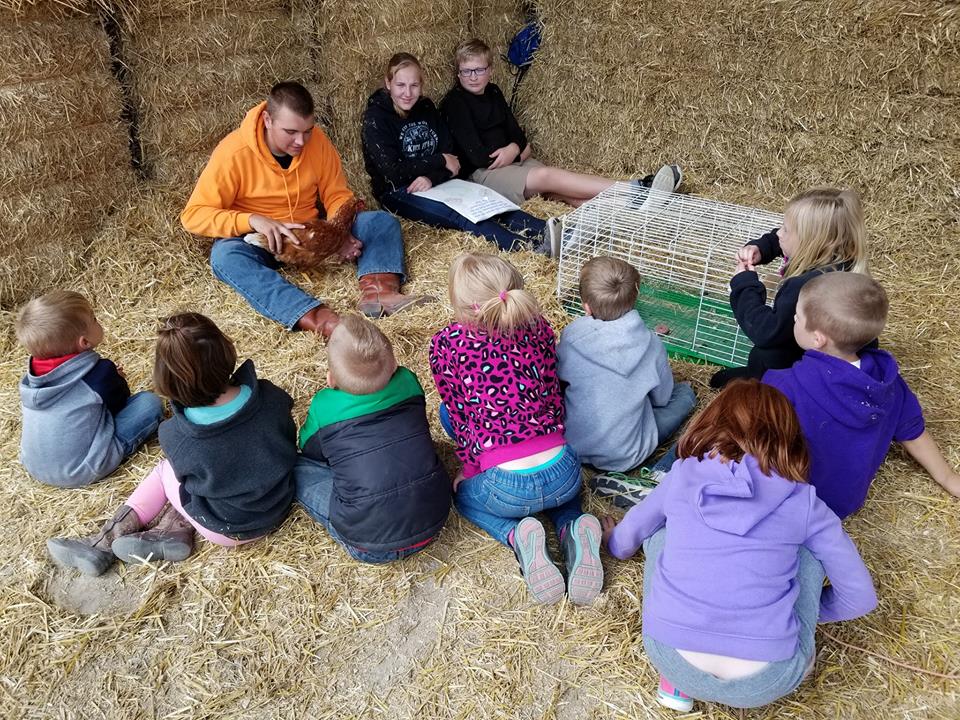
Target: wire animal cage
{"x": 684, "y": 248}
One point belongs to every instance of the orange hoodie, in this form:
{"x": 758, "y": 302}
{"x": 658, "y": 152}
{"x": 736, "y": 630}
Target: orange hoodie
{"x": 242, "y": 178}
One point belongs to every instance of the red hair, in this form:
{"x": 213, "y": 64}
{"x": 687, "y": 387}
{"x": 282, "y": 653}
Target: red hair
{"x": 748, "y": 417}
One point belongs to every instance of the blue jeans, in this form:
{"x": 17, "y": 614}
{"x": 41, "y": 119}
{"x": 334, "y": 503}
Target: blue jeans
{"x": 252, "y": 271}
{"x": 138, "y": 420}
{"x": 670, "y": 417}
{"x": 314, "y": 481}
{"x": 762, "y": 687}
{"x": 514, "y": 230}
{"x": 496, "y": 499}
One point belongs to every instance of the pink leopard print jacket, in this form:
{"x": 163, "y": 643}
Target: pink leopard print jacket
{"x": 502, "y": 392}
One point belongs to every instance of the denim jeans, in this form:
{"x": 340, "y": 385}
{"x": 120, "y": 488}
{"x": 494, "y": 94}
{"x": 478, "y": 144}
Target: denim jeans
{"x": 514, "y": 230}
{"x": 762, "y": 687}
{"x": 138, "y": 420}
{"x": 670, "y": 417}
{"x": 314, "y": 482}
{"x": 252, "y": 271}
{"x": 495, "y": 500}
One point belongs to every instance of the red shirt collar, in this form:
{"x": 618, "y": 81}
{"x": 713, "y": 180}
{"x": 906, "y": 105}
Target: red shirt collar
{"x": 41, "y": 366}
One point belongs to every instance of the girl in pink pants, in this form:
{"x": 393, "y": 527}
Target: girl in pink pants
{"x": 230, "y": 447}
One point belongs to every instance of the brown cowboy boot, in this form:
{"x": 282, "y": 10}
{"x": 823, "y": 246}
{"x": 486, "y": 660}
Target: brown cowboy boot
{"x": 92, "y": 556}
{"x": 170, "y": 539}
{"x": 380, "y": 295}
{"x": 321, "y": 320}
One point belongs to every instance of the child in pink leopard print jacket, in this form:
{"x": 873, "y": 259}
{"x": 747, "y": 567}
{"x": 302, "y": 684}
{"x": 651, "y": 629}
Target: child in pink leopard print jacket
{"x": 495, "y": 368}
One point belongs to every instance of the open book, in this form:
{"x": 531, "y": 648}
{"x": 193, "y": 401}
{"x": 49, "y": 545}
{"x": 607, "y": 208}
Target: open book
{"x": 472, "y": 200}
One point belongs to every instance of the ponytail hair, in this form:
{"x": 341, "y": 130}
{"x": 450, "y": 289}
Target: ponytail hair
{"x": 487, "y": 292}
{"x": 829, "y": 227}
{"x": 194, "y": 360}
{"x": 748, "y": 417}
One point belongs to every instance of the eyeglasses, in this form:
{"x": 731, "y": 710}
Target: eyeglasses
{"x": 472, "y": 72}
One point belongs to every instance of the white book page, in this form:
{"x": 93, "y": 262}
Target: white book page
{"x": 472, "y": 200}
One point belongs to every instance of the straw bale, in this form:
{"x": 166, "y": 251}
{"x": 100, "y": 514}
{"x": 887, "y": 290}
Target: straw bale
{"x": 354, "y": 40}
{"x": 196, "y": 69}
{"x": 64, "y": 154}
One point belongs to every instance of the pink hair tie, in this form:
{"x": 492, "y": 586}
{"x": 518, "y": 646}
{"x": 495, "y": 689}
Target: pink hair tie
{"x": 503, "y": 296}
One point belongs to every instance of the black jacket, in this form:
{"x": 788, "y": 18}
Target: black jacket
{"x": 480, "y": 124}
{"x": 390, "y": 490}
{"x": 770, "y": 328}
{"x": 236, "y": 475}
{"x": 396, "y": 149}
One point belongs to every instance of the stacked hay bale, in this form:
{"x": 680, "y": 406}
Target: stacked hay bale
{"x": 64, "y": 152}
{"x": 761, "y": 95}
{"x": 197, "y": 67}
{"x": 354, "y": 40}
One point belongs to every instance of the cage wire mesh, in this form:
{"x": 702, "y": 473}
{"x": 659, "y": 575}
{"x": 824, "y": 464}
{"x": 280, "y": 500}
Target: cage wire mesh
{"x": 684, "y": 248}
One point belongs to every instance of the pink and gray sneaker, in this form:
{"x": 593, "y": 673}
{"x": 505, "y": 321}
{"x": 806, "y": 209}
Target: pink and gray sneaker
{"x": 581, "y": 548}
{"x": 669, "y": 696}
{"x": 530, "y": 546}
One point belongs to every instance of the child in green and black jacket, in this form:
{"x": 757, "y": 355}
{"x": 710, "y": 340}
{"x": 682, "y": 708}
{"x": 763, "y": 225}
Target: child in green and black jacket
{"x": 369, "y": 471}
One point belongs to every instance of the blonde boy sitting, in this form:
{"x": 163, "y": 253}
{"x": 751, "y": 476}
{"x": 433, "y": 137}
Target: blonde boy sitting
{"x": 79, "y": 419}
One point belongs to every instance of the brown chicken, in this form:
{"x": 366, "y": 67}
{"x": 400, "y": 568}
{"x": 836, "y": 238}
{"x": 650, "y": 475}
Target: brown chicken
{"x": 319, "y": 239}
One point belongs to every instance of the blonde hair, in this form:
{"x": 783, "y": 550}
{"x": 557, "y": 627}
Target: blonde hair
{"x": 487, "y": 292}
{"x": 828, "y": 224}
{"x": 610, "y": 286}
{"x": 359, "y": 356}
{"x": 400, "y": 61}
{"x": 52, "y": 324}
{"x": 471, "y": 49}
{"x": 849, "y": 308}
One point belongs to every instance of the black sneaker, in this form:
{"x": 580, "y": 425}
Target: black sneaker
{"x": 624, "y": 490}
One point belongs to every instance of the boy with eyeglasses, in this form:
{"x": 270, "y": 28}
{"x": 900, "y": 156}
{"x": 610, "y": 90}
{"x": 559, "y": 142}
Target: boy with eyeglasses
{"x": 493, "y": 148}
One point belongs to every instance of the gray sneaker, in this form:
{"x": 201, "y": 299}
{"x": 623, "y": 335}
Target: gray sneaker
{"x": 549, "y": 243}
{"x": 530, "y": 546}
{"x": 667, "y": 179}
{"x": 581, "y": 548}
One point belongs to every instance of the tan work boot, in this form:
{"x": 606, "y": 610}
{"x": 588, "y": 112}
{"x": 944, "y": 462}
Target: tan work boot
{"x": 380, "y": 295}
{"x": 93, "y": 556}
{"x": 321, "y": 320}
{"x": 170, "y": 539}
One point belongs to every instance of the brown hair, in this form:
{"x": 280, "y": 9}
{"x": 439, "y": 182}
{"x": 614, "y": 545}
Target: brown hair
{"x": 828, "y": 224}
{"x": 849, "y": 308}
{"x": 194, "y": 360}
{"x": 748, "y": 417}
{"x": 400, "y": 61}
{"x": 52, "y": 324}
{"x": 359, "y": 356}
{"x": 487, "y": 292}
{"x": 291, "y": 95}
{"x": 610, "y": 286}
{"x": 471, "y": 49}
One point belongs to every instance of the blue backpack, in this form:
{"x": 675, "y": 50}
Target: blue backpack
{"x": 521, "y": 52}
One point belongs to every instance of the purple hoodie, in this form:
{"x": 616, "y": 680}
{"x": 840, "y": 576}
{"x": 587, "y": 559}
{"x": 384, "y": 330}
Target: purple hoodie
{"x": 849, "y": 416}
{"x": 726, "y": 580}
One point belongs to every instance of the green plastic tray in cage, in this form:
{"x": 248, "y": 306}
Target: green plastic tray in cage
{"x": 692, "y": 325}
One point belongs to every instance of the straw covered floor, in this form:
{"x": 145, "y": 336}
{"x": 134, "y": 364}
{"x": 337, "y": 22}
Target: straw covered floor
{"x": 757, "y": 101}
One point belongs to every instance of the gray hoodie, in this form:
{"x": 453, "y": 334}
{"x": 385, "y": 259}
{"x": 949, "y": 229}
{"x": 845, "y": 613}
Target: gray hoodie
{"x": 68, "y": 431}
{"x": 617, "y": 371}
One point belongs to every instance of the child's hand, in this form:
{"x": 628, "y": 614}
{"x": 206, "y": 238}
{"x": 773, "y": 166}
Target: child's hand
{"x": 749, "y": 255}
{"x": 120, "y": 371}
{"x": 951, "y": 483}
{"x": 607, "y": 524}
{"x": 419, "y": 184}
{"x": 504, "y": 156}
{"x": 457, "y": 480}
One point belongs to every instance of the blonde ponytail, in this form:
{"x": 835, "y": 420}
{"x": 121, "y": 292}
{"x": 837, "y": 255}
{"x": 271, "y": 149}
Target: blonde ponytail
{"x": 487, "y": 292}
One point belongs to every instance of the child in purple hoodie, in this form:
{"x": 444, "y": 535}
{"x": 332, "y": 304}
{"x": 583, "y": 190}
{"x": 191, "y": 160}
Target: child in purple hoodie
{"x": 736, "y": 545}
{"x": 851, "y": 401}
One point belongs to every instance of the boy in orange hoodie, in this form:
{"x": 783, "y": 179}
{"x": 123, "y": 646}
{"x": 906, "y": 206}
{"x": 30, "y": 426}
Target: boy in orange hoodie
{"x": 268, "y": 176}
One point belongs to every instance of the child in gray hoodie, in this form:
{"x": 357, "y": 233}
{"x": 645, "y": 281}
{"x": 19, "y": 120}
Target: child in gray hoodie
{"x": 620, "y": 398}
{"x": 79, "y": 419}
